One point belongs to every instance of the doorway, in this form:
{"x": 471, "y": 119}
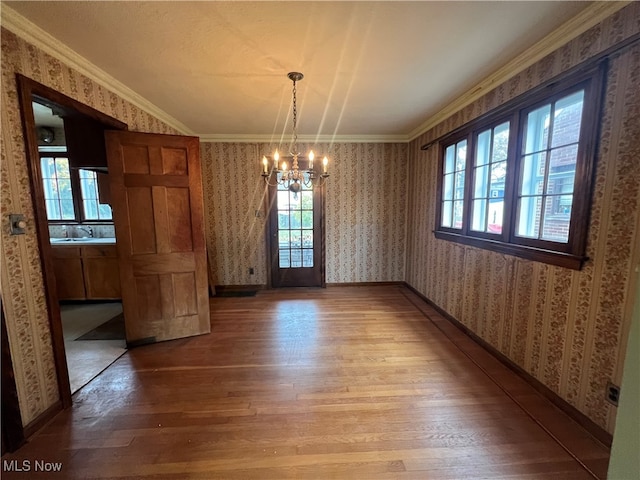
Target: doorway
{"x": 80, "y": 231}
{"x": 54, "y": 197}
{"x": 296, "y": 236}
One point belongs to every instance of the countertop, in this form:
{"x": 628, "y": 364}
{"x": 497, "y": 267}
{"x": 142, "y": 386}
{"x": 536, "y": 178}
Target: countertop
{"x": 83, "y": 241}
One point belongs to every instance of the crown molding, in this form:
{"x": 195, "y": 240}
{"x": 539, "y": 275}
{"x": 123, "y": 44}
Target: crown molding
{"x": 31, "y": 33}
{"x": 222, "y": 138}
{"x": 586, "y": 19}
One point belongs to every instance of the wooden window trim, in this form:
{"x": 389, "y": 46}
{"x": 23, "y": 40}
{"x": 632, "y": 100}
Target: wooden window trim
{"x": 572, "y": 253}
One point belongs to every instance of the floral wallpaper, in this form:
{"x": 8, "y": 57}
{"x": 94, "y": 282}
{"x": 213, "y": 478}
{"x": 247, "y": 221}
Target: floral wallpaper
{"x": 21, "y": 278}
{"x": 567, "y": 328}
{"x": 364, "y": 211}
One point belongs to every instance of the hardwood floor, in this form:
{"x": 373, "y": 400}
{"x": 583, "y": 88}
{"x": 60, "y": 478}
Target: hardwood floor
{"x": 337, "y": 383}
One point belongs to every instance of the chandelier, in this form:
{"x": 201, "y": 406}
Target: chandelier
{"x": 293, "y": 178}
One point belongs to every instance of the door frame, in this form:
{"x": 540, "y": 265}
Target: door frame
{"x": 28, "y": 91}
{"x": 270, "y": 260}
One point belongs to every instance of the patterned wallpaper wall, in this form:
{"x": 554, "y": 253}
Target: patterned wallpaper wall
{"x": 566, "y": 328}
{"x": 22, "y": 285}
{"x": 364, "y": 211}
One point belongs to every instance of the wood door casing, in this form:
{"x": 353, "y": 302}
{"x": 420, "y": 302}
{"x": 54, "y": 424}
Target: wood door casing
{"x": 156, "y": 193}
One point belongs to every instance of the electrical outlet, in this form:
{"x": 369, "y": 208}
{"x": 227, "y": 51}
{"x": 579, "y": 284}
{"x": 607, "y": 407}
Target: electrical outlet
{"x": 251, "y": 271}
{"x": 612, "y": 394}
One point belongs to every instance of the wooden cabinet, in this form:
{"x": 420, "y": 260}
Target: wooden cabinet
{"x": 101, "y": 272}
{"x": 85, "y": 143}
{"x": 67, "y": 265}
{"x": 87, "y": 272}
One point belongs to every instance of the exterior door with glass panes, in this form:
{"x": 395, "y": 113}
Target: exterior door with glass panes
{"x": 296, "y": 237}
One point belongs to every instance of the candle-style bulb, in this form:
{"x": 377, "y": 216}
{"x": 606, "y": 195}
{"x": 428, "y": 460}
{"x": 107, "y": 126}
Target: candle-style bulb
{"x": 264, "y": 164}
{"x": 325, "y": 162}
{"x": 276, "y": 156}
{"x": 311, "y": 155}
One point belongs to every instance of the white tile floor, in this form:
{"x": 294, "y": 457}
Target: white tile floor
{"x": 87, "y": 358}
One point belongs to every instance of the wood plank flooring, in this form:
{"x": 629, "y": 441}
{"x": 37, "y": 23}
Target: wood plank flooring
{"x": 337, "y": 383}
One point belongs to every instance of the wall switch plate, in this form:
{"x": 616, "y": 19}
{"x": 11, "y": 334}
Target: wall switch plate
{"x": 17, "y": 224}
{"x": 251, "y": 271}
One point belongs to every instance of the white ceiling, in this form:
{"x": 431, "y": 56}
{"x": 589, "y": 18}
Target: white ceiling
{"x": 372, "y": 69}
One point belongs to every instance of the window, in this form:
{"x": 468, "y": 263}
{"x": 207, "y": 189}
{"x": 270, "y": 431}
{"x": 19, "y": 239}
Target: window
{"x": 56, "y": 178}
{"x": 518, "y": 180}
{"x": 70, "y": 194}
{"x": 91, "y": 206}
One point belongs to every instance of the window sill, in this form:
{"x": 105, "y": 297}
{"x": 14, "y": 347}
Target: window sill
{"x": 560, "y": 259}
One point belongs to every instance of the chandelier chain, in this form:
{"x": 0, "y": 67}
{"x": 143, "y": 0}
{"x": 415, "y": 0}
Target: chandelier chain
{"x": 295, "y": 121}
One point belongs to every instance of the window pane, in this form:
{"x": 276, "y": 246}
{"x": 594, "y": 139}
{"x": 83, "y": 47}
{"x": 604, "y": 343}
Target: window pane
{"x": 295, "y": 217}
{"x": 307, "y": 258}
{"x": 447, "y": 210}
{"x": 283, "y": 220}
{"x": 461, "y": 155}
{"x": 500, "y": 142}
{"x": 563, "y": 161}
{"x": 294, "y": 201}
{"x": 296, "y": 238}
{"x": 459, "y": 185}
{"x": 53, "y": 210}
{"x": 62, "y": 167}
{"x": 307, "y": 238}
{"x": 90, "y": 209}
{"x": 104, "y": 212}
{"x": 283, "y": 200}
{"x": 307, "y": 200}
{"x": 448, "y": 163}
{"x": 283, "y": 239}
{"x": 532, "y": 180}
{"x": 68, "y": 213}
{"x": 296, "y": 258}
{"x": 528, "y": 221}
{"x": 496, "y": 215}
{"x": 448, "y": 187}
{"x": 498, "y": 175}
{"x": 56, "y": 182}
{"x": 567, "y": 119}
{"x": 458, "y": 206}
{"x": 307, "y": 219}
{"x": 537, "y": 130}
{"x": 483, "y": 148}
{"x": 478, "y": 215}
{"x": 48, "y": 167}
{"x": 556, "y": 227}
{"x": 481, "y": 183}
{"x": 285, "y": 261}
{"x": 64, "y": 188}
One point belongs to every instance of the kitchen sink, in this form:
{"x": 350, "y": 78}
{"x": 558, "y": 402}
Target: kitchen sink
{"x": 84, "y": 240}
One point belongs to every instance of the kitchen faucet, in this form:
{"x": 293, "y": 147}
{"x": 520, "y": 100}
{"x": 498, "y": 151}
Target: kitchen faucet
{"x": 86, "y": 229}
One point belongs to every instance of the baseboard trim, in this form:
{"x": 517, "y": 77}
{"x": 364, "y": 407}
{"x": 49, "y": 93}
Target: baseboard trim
{"x": 41, "y": 420}
{"x": 365, "y": 284}
{"x": 239, "y": 288}
{"x": 585, "y": 422}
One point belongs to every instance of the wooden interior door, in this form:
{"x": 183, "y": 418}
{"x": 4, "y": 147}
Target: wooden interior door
{"x": 156, "y": 194}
